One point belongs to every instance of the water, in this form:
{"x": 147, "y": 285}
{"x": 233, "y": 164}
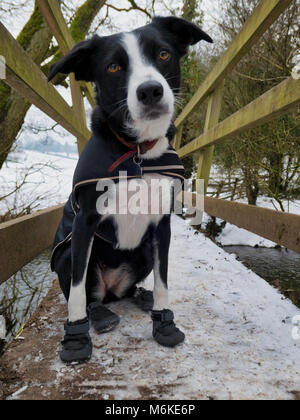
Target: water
{"x": 279, "y": 267}
{"x": 23, "y": 292}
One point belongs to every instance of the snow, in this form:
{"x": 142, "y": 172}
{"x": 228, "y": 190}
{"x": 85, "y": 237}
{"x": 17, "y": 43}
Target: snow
{"x": 238, "y": 330}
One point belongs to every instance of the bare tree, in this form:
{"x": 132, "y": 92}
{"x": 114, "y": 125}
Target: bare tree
{"x": 268, "y": 157}
{"x": 35, "y": 38}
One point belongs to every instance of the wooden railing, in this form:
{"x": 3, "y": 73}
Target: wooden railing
{"x": 23, "y": 239}
{"x": 281, "y": 228}
{"x": 23, "y": 75}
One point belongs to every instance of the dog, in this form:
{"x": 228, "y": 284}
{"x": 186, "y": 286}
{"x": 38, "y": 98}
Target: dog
{"x": 100, "y": 257}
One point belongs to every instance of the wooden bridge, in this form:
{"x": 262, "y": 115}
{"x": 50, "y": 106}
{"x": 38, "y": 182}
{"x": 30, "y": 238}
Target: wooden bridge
{"x": 207, "y": 370}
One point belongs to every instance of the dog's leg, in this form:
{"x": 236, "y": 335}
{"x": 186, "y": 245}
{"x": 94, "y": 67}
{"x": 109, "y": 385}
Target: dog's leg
{"x": 77, "y": 345}
{"x": 102, "y": 319}
{"x": 164, "y": 329}
{"x": 77, "y": 298}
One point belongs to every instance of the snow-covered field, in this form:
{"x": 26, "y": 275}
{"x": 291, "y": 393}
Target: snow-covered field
{"x": 48, "y": 180}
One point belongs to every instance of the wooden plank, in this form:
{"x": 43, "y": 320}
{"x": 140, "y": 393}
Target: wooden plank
{"x": 262, "y": 18}
{"x": 274, "y": 103}
{"x": 78, "y": 107}
{"x": 88, "y": 90}
{"x": 26, "y": 77}
{"x": 54, "y": 18}
{"x": 60, "y": 21}
{"x": 23, "y": 239}
{"x": 212, "y": 118}
{"x": 281, "y": 228}
{"x": 53, "y": 25}
{"x": 178, "y": 138}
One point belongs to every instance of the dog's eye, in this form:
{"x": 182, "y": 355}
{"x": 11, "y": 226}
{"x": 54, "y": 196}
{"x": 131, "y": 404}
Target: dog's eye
{"x": 164, "y": 55}
{"x": 114, "y": 68}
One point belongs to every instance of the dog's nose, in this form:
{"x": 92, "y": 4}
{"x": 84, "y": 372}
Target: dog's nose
{"x": 150, "y": 93}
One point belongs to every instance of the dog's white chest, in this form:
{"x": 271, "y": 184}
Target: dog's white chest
{"x": 143, "y": 202}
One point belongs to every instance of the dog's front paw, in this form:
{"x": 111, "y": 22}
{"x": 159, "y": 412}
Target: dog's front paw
{"x": 143, "y": 299}
{"x": 165, "y": 331}
{"x": 77, "y": 345}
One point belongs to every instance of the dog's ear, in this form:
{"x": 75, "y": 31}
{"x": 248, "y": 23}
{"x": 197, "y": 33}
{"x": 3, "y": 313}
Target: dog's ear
{"x": 184, "y": 32}
{"x": 78, "y": 61}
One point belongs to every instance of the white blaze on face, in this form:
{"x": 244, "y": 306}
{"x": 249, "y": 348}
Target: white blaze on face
{"x": 141, "y": 71}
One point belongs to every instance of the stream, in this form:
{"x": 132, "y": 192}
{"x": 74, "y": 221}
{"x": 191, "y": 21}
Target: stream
{"x": 279, "y": 267}
{"x": 23, "y": 292}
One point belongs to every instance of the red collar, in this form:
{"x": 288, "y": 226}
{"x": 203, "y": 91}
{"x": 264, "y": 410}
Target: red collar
{"x": 140, "y": 148}
{"x": 135, "y": 148}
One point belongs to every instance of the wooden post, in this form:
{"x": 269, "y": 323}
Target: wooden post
{"x": 212, "y": 119}
{"x": 262, "y": 18}
{"x": 276, "y": 102}
{"x": 54, "y": 17}
{"x": 51, "y": 11}
{"x": 23, "y": 239}
{"x": 23, "y": 75}
{"x": 78, "y": 108}
{"x": 178, "y": 138}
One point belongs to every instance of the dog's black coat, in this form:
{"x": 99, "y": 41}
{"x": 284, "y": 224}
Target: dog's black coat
{"x": 90, "y": 61}
{"x": 93, "y": 165}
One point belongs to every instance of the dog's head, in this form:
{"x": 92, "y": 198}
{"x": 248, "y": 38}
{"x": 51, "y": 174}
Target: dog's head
{"x": 136, "y": 74}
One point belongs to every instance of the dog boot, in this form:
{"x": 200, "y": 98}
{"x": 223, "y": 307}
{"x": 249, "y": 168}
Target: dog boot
{"x": 143, "y": 299}
{"x": 165, "y": 331}
{"x": 76, "y": 345}
{"x": 102, "y": 319}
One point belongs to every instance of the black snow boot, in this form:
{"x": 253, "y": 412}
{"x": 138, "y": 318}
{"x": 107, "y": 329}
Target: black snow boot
{"x": 143, "y": 299}
{"x": 102, "y": 319}
{"x": 165, "y": 331}
{"x": 76, "y": 345}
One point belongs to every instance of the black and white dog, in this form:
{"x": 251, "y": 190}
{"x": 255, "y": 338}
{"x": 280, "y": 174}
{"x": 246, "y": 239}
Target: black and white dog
{"x": 100, "y": 257}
